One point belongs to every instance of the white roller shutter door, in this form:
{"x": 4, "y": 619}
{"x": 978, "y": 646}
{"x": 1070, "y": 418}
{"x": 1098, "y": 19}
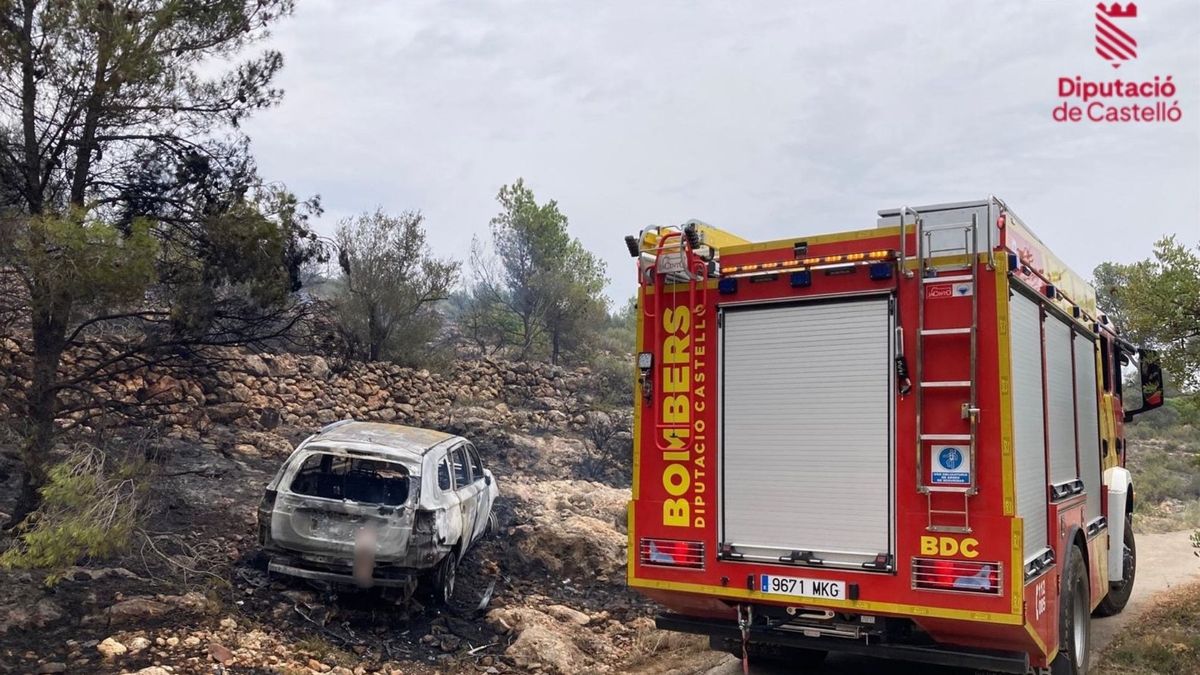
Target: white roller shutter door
{"x": 1028, "y": 421}
{"x": 1060, "y": 401}
{"x": 1087, "y": 414}
{"x": 806, "y": 424}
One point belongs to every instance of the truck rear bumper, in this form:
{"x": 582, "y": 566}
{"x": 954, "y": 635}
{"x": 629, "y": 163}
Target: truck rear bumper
{"x": 998, "y": 661}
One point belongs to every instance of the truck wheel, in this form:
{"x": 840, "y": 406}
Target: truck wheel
{"x": 1074, "y": 619}
{"x": 1119, "y": 592}
{"x": 438, "y": 585}
{"x": 799, "y": 660}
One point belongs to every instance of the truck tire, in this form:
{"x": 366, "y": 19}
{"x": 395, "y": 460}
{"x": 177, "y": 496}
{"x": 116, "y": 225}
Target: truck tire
{"x": 1119, "y": 592}
{"x": 798, "y": 659}
{"x": 1074, "y": 619}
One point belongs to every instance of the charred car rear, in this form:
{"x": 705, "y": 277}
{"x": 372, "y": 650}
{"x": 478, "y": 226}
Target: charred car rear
{"x": 377, "y": 504}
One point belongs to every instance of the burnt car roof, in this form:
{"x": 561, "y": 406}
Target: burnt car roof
{"x": 413, "y": 440}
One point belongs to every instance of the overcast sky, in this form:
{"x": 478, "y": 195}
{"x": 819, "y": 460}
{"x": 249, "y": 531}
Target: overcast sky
{"x": 769, "y": 119}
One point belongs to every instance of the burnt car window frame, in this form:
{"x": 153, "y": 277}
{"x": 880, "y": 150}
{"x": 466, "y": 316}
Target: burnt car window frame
{"x": 340, "y": 466}
{"x": 443, "y": 465}
{"x": 460, "y": 451}
{"x": 475, "y": 461}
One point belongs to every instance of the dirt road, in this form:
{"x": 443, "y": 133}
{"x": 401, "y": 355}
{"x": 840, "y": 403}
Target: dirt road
{"x": 1164, "y": 561}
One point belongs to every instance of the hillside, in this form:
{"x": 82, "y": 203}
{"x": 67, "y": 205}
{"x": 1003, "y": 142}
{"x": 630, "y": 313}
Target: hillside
{"x": 193, "y": 592}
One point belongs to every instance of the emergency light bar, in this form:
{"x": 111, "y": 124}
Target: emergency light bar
{"x": 809, "y": 263}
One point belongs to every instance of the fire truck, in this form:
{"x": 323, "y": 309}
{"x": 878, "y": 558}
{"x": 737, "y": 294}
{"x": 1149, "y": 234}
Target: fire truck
{"x": 905, "y": 442}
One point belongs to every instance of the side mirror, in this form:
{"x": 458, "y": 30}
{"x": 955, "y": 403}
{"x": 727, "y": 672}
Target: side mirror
{"x": 1151, "y": 378}
{"x": 1150, "y": 369}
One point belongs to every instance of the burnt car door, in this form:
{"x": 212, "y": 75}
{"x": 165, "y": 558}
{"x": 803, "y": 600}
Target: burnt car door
{"x": 446, "y": 506}
{"x": 328, "y": 497}
{"x": 468, "y": 491}
{"x": 484, "y": 496}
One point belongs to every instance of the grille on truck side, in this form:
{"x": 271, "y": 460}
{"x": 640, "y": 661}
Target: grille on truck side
{"x": 958, "y": 576}
{"x": 672, "y": 553}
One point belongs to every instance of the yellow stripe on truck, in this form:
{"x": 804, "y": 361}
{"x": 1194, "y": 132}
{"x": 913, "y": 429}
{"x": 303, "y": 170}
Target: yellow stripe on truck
{"x": 856, "y": 605}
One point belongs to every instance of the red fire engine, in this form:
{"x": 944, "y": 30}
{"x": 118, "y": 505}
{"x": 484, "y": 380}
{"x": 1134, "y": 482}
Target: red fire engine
{"x": 904, "y": 441}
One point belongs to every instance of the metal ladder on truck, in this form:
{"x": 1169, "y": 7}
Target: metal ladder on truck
{"x": 944, "y": 519}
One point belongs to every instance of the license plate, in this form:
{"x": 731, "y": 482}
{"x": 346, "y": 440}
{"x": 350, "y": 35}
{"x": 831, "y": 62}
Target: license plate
{"x": 804, "y": 588}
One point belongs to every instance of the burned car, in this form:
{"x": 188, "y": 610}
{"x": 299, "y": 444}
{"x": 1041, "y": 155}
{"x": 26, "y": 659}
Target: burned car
{"x": 377, "y": 505}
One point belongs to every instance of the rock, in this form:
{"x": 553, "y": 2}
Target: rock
{"x": 138, "y": 643}
{"x": 317, "y": 367}
{"x": 564, "y": 613}
{"x": 228, "y": 624}
{"x": 269, "y": 418}
{"x": 284, "y": 365}
{"x": 110, "y": 648}
{"x": 172, "y": 641}
{"x": 226, "y": 413}
{"x": 135, "y": 608}
{"x": 254, "y": 365}
{"x": 192, "y": 601}
{"x": 246, "y": 450}
{"x": 191, "y": 641}
{"x": 219, "y": 652}
{"x": 573, "y": 546}
{"x": 81, "y": 573}
{"x": 240, "y": 393}
{"x": 152, "y": 670}
{"x": 546, "y": 643}
{"x": 267, "y": 443}
{"x": 537, "y": 646}
{"x": 44, "y": 611}
{"x": 53, "y": 667}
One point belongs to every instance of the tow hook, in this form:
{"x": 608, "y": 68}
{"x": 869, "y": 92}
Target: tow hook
{"x": 744, "y": 623}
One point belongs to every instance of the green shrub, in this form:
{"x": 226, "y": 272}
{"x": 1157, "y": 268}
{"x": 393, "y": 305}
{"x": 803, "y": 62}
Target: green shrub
{"x": 611, "y": 382}
{"x": 91, "y": 508}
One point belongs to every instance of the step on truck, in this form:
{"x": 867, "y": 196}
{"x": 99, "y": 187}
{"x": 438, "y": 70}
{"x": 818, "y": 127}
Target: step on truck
{"x": 904, "y": 442}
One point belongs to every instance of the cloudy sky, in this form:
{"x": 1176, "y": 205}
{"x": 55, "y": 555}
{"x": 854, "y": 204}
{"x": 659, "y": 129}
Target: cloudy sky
{"x": 770, "y": 119}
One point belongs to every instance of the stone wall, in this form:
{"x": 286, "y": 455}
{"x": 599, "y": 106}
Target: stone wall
{"x": 261, "y": 392}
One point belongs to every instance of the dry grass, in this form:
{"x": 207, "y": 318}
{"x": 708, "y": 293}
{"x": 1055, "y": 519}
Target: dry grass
{"x": 660, "y": 652}
{"x": 1165, "y": 640}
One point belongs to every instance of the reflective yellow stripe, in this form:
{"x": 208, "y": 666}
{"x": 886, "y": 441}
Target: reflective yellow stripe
{"x": 637, "y": 438}
{"x": 856, "y": 605}
{"x": 813, "y": 240}
{"x": 1017, "y": 568}
{"x": 1004, "y": 353}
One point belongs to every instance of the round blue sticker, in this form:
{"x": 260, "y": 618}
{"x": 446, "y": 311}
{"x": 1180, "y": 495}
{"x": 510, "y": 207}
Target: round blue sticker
{"x": 950, "y": 458}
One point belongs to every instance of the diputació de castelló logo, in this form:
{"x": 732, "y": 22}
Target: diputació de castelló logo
{"x": 1146, "y": 99}
{"x": 1113, "y": 43}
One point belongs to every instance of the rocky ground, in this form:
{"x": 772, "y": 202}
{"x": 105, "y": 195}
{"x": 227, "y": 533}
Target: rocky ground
{"x": 192, "y": 596}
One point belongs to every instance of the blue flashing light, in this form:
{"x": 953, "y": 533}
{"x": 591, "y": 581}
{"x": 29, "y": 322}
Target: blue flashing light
{"x": 727, "y": 286}
{"x": 980, "y": 581}
{"x": 801, "y": 279}
{"x": 880, "y": 271}
{"x": 659, "y": 556}
{"x": 1013, "y": 262}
